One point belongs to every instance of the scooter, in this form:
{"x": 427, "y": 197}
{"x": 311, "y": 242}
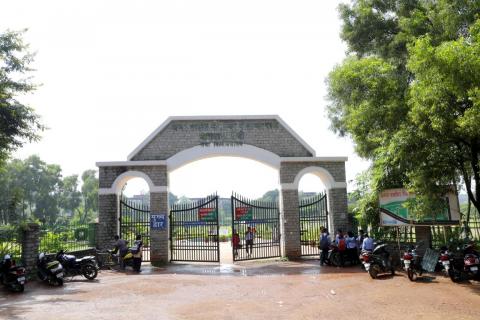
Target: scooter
{"x": 379, "y": 261}
{"x": 11, "y": 276}
{"x": 86, "y": 266}
{"x": 49, "y": 271}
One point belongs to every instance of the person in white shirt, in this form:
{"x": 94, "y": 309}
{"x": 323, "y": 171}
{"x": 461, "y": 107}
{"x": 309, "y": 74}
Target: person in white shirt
{"x": 367, "y": 243}
{"x": 351, "y": 248}
{"x": 249, "y": 235}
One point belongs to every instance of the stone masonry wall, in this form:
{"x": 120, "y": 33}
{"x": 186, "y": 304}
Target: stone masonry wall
{"x": 179, "y": 135}
{"x": 159, "y": 238}
{"x": 158, "y": 174}
{"x": 291, "y": 224}
{"x": 30, "y": 245}
{"x": 338, "y": 210}
{"x": 107, "y": 220}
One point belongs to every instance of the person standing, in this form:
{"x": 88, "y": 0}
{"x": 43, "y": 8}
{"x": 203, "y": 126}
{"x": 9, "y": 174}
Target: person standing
{"x": 137, "y": 253}
{"x": 122, "y": 249}
{"x": 361, "y": 236}
{"x": 249, "y": 235}
{"x": 324, "y": 246}
{"x": 235, "y": 243}
{"x": 341, "y": 245}
{"x": 351, "y": 248}
{"x": 367, "y": 243}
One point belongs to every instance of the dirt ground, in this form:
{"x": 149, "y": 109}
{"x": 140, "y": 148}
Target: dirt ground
{"x": 250, "y": 290}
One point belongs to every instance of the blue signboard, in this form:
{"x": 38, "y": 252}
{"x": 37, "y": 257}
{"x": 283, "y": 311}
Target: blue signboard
{"x": 158, "y": 221}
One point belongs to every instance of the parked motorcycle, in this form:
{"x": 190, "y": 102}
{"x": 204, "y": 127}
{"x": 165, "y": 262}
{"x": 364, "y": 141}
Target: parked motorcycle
{"x": 412, "y": 263}
{"x": 467, "y": 267}
{"x": 49, "y": 271}
{"x": 86, "y": 266}
{"x": 378, "y": 261}
{"x": 12, "y": 276}
{"x": 365, "y": 258}
{"x": 444, "y": 260}
{"x": 333, "y": 256}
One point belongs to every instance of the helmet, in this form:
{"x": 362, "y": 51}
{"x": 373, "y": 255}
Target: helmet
{"x": 7, "y": 257}
{"x": 41, "y": 256}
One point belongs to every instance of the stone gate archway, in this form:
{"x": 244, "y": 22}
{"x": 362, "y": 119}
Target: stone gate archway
{"x": 182, "y": 140}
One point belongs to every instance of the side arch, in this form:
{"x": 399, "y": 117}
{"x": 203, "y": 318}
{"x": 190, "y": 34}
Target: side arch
{"x": 320, "y": 172}
{"x": 120, "y": 181}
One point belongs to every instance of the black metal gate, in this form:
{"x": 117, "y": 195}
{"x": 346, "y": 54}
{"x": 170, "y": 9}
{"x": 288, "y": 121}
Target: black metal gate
{"x": 258, "y": 226}
{"x": 194, "y": 231}
{"x": 135, "y": 220}
{"x": 313, "y": 216}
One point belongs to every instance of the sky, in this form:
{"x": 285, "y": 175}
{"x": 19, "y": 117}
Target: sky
{"x": 113, "y": 71}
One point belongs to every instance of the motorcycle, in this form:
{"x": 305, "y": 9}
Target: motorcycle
{"x": 86, "y": 266}
{"x": 127, "y": 259}
{"x": 333, "y": 256}
{"x": 378, "y": 261}
{"x": 365, "y": 258}
{"x": 12, "y": 276}
{"x": 49, "y": 271}
{"x": 412, "y": 263}
{"x": 444, "y": 260}
{"x": 467, "y": 267}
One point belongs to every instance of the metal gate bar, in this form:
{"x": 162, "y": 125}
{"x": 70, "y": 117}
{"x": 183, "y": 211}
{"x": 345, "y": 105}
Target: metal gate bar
{"x": 264, "y": 220}
{"x": 135, "y": 219}
{"x": 313, "y": 216}
{"x": 194, "y": 231}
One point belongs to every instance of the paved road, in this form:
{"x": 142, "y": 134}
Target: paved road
{"x": 249, "y": 290}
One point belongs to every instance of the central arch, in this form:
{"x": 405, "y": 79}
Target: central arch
{"x": 244, "y": 151}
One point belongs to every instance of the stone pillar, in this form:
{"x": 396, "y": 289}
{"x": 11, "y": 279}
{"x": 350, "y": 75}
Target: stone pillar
{"x": 159, "y": 238}
{"x": 107, "y": 220}
{"x": 290, "y": 224}
{"x": 30, "y": 245}
{"x": 337, "y": 210}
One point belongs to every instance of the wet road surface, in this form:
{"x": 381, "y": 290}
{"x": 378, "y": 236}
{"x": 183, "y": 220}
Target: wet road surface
{"x": 248, "y": 290}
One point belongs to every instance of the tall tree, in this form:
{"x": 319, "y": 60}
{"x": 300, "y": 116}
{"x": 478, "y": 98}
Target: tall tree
{"x": 69, "y": 197}
{"x": 408, "y": 94}
{"x": 89, "y": 193}
{"x": 18, "y": 122}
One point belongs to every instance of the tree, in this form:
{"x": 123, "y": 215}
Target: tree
{"x": 69, "y": 198}
{"x": 89, "y": 193}
{"x": 18, "y": 122}
{"x": 408, "y": 94}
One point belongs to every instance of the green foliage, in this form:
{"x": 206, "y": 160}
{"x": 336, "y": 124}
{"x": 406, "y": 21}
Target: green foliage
{"x": 32, "y": 189}
{"x": 408, "y": 95}
{"x": 18, "y": 122}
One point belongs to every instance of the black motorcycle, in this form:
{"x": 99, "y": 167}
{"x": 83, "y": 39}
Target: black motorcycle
{"x": 465, "y": 265}
{"x": 378, "y": 261}
{"x": 86, "y": 266}
{"x": 12, "y": 276}
{"x": 412, "y": 263}
{"x": 49, "y": 271}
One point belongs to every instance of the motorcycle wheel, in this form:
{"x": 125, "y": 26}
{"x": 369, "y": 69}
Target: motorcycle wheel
{"x": 392, "y": 271}
{"x": 455, "y": 275}
{"x": 412, "y": 275}
{"x": 89, "y": 271}
{"x": 335, "y": 259}
{"x": 17, "y": 287}
{"x": 373, "y": 272}
{"x": 59, "y": 282}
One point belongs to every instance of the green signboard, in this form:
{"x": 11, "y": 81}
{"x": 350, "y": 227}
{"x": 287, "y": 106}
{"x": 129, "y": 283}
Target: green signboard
{"x": 207, "y": 214}
{"x": 244, "y": 213}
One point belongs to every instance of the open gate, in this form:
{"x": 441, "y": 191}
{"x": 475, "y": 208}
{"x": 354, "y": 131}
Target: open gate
{"x": 263, "y": 219}
{"x": 135, "y": 220}
{"x": 194, "y": 231}
{"x": 313, "y": 216}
